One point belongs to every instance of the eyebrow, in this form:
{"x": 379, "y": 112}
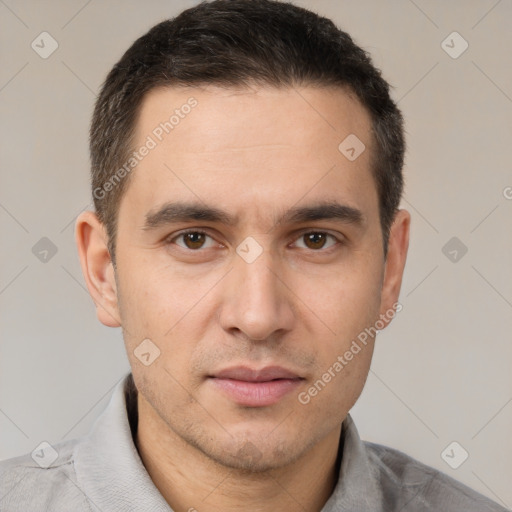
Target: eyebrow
{"x": 175, "y": 212}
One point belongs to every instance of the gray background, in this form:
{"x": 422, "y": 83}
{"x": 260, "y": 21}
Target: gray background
{"x": 442, "y": 370}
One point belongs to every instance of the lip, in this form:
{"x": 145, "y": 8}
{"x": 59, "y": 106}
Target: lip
{"x": 255, "y": 388}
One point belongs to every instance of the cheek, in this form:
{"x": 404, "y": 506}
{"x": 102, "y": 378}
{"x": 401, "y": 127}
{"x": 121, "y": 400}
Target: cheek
{"x": 349, "y": 306}
{"x": 158, "y": 306}
{"x": 336, "y": 389}
{"x": 151, "y": 298}
{"x": 347, "y": 301}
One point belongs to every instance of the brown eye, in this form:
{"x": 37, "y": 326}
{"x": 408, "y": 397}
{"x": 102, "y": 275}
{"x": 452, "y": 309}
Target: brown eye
{"x": 193, "y": 240}
{"x": 316, "y": 240}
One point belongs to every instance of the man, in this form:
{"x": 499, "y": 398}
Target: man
{"x": 246, "y": 172}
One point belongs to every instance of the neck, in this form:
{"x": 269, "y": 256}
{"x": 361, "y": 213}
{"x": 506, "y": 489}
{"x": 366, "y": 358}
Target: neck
{"x": 191, "y": 481}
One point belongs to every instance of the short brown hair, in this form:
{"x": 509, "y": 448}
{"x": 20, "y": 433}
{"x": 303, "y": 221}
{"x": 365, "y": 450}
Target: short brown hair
{"x": 236, "y": 43}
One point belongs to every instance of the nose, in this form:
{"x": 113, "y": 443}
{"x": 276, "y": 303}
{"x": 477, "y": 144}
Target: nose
{"x": 257, "y": 301}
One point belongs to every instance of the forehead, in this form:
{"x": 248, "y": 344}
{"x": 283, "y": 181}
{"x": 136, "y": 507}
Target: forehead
{"x": 253, "y": 146}
{"x": 251, "y": 115}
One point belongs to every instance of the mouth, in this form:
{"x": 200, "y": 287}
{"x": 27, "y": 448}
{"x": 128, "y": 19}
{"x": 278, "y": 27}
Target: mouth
{"x": 255, "y": 388}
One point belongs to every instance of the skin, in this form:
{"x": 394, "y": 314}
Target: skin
{"x": 255, "y": 153}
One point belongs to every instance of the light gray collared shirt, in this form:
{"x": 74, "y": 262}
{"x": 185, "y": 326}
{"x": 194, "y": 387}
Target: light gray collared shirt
{"x": 103, "y": 472}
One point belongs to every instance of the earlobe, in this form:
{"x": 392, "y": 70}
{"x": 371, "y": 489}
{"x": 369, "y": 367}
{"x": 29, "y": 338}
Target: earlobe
{"x": 394, "y": 267}
{"x": 97, "y": 268}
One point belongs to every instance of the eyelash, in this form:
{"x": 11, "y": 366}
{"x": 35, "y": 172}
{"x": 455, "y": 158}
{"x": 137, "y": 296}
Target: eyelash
{"x": 170, "y": 240}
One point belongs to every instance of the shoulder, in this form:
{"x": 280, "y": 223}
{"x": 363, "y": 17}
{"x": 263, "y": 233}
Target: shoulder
{"x": 421, "y": 487}
{"x": 42, "y": 480}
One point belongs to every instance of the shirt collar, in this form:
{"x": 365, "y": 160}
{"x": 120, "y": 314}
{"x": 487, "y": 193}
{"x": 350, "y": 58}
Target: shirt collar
{"x": 108, "y": 467}
{"x": 357, "y": 487}
{"x": 111, "y": 474}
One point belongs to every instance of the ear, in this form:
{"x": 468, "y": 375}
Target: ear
{"x": 394, "y": 267}
{"x": 91, "y": 240}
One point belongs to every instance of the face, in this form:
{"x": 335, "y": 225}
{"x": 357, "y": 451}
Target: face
{"x": 249, "y": 253}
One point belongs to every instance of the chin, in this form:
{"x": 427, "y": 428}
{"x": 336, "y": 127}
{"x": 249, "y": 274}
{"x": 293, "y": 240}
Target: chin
{"x": 250, "y": 460}
{"x": 253, "y": 457}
